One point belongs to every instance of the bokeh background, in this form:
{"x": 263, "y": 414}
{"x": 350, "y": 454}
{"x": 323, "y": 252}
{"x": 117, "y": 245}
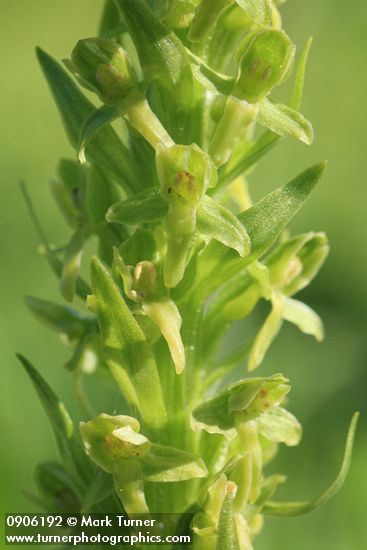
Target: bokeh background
{"x": 329, "y": 381}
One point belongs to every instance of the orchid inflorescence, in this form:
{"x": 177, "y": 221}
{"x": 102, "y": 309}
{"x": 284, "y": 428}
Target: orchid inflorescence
{"x": 182, "y": 254}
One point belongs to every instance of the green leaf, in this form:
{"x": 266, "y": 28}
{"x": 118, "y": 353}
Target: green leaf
{"x": 280, "y": 426}
{"x": 62, "y": 319}
{"x": 227, "y": 532}
{"x": 264, "y": 223}
{"x": 105, "y": 150}
{"x": 71, "y": 265}
{"x": 62, "y": 426}
{"x": 145, "y": 207}
{"x": 217, "y": 222}
{"x": 287, "y": 509}
{"x": 167, "y": 464}
{"x": 303, "y": 317}
{"x": 95, "y": 122}
{"x": 285, "y": 121}
{"x": 267, "y": 333}
{"x": 126, "y": 350}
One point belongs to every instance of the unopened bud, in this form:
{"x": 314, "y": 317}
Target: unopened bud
{"x": 265, "y": 62}
{"x": 103, "y": 67}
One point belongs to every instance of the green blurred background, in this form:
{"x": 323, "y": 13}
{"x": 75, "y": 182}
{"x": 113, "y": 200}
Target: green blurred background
{"x": 329, "y": 381}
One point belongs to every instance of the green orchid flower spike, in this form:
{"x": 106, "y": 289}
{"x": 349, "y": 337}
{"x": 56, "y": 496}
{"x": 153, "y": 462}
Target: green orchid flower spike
{"x": 159, "y": 206}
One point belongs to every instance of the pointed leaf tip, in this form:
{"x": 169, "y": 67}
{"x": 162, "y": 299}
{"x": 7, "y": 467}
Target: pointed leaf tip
{"x": 287, "y": 509}
{"x": 39, "y": 52}
{"x": 62, "y": 425}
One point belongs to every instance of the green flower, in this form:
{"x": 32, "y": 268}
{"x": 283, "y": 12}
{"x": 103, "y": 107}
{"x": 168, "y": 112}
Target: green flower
{"x": 266, "y": 58}
{"x": 108, "y": 439}
{"x": 103, "y": 67}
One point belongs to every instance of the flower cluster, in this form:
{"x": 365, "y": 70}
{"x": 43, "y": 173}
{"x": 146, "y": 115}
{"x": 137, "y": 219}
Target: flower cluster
{"x": 182, "y": 255}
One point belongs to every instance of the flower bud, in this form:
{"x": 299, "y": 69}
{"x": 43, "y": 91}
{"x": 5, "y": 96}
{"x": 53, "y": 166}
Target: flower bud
{"x": 103, "y": 67}
{"x": 108, "y": 439}
{"x": 266, "y": 58}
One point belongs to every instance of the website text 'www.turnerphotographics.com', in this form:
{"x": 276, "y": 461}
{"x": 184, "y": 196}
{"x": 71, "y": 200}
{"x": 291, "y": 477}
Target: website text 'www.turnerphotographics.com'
{"x": 99, "y": 530}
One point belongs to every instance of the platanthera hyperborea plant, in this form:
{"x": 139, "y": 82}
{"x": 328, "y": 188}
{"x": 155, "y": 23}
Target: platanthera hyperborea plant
{"x": 181, "y": 256}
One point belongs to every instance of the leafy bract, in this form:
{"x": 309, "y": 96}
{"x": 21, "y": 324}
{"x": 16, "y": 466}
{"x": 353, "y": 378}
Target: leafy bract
{"x": 264, "y": 223}
{"x": 126, "y": 350}
{"x": 61, "y": 423}
{"x": 287, "y": 509}
{"x": 217, "y": 222}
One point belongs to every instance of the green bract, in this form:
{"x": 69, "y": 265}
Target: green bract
{"x": 180, "y": 253}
